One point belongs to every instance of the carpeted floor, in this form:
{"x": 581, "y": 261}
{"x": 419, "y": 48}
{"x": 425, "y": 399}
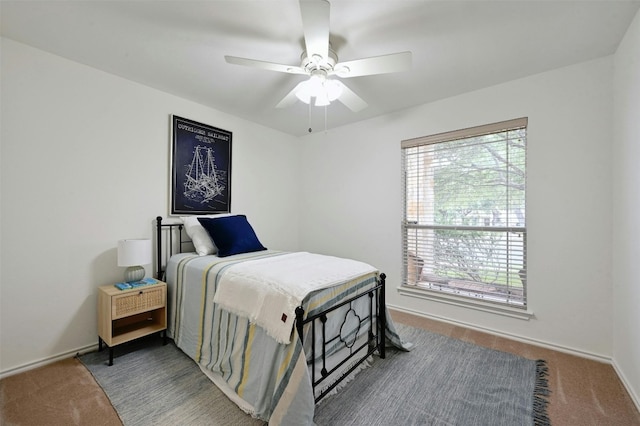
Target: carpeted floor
{"x": 583, "y": 392}
{"x": 443, "y": 381}
{"x": 63, "y": 393}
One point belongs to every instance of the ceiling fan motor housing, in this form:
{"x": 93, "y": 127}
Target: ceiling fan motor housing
{"x": 317, "y": 62}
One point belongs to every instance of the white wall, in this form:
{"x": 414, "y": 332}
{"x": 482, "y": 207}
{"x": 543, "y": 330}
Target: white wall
{"x": 626, "y": 210}
{"x": 84, "y": 163}
{"x": 351, "y": 202}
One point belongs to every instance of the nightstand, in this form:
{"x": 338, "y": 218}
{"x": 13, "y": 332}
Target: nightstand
{"x": 125, "y": 315}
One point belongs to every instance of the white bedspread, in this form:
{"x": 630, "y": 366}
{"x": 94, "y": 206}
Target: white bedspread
{"x": 267, "y": 291}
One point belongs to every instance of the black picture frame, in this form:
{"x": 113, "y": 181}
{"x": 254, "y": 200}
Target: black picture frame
{"x": 200, "y": 168}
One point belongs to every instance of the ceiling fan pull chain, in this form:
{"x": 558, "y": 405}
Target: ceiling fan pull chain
{"x": 310, "y": 130}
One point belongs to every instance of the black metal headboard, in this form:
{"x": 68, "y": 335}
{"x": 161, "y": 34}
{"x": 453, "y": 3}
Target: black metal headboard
{"x": 174, "y": 241}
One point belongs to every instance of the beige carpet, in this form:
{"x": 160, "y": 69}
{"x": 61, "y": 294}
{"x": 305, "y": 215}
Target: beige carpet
{"x": 62, "y": 393}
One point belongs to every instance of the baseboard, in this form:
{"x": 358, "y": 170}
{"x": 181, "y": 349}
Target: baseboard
{"x": 547, "y": 345}
{"x": 47, "y": 360}
{"x": 634, "y": 396}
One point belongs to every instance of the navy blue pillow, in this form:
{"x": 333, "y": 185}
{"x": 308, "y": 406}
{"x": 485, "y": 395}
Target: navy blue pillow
{"x": 231, "y": 234}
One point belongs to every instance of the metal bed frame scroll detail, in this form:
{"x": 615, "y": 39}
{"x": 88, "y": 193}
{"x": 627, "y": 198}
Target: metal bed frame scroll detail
{"x": 376, "y": 319}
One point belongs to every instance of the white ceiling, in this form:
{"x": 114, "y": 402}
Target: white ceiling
{"x": 458, "y": 46}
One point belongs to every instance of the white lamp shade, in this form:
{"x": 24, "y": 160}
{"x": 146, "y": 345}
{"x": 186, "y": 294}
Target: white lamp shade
{"x": 334, "y": 89}
{"x": 319, "y": 87}
{"x": 304, "y": 94}
{"x": 134, "y": 252}
{"x": 321, "y": 99}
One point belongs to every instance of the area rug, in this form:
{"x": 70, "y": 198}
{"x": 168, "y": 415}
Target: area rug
{"x": 443, "y": 381}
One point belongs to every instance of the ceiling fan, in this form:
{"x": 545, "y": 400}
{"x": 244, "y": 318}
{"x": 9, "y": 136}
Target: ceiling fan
{"x": 320, "y": 63}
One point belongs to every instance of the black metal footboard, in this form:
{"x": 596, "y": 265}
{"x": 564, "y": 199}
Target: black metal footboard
{"x": 375, "y": 341}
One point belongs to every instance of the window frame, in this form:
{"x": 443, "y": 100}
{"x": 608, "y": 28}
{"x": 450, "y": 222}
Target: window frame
{"x": 447, "y": 296}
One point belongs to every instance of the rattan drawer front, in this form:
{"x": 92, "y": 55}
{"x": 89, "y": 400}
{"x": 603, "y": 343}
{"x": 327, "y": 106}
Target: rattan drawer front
{"x": 141, "y": 301}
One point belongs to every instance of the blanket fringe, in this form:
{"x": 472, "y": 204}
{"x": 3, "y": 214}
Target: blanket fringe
{"x": 541, "y": 394}
{"x": 365, "y": 364}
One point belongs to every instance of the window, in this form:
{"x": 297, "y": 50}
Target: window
{"x": 464, "y": 229}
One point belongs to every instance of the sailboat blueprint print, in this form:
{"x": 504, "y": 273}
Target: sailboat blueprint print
{"x": 203, "y": 181}
{"x": 200, "y": 168}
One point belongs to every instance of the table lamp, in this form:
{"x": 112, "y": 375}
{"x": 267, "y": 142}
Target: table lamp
{"x": 134, "y": 254}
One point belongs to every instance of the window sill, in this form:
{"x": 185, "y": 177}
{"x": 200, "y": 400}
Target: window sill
{"x": 465, "y": 302}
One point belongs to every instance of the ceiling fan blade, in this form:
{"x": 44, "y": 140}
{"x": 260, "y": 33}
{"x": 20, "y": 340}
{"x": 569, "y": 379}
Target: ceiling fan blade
{"x": 271, "y": 66}
{"x": 315, "y": 23}
{"x": 384, "y": 64}
{"x": 350, "y": 99}
{"x": 290, "y": 98}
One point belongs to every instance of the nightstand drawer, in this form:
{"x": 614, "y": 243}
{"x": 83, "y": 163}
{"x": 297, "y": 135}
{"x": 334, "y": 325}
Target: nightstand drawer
{"x": 138, "y": 301}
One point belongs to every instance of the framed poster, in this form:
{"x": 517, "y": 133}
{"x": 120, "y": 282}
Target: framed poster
{"x": 200, "y": 168}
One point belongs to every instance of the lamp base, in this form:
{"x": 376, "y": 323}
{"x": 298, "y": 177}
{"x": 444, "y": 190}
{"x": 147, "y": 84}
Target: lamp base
{"x": 133, "y": 274}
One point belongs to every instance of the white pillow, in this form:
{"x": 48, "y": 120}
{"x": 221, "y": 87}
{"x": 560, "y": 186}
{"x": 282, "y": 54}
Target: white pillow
{"x": 199, "y": 236}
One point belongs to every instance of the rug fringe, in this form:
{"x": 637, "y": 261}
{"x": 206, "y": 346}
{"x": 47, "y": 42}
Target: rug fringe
{"x": 541, "y": 394}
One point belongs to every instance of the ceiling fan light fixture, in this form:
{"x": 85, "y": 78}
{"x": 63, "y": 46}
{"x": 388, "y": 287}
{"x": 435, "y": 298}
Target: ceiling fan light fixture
{"x": 316, "y": 83}
{"x": 319, "y": 87}
{"x": 322, "y": 99}
{"x": 323, "y": 90}
{"x": 309, "y": 89}
{"x": 303, "y": 95}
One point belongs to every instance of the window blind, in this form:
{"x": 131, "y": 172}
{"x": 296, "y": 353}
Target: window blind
{"x": 464, "y": 228}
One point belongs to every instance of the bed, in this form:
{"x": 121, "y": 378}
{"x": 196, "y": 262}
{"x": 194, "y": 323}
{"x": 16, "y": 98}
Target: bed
{"x": 275, "y": 331}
